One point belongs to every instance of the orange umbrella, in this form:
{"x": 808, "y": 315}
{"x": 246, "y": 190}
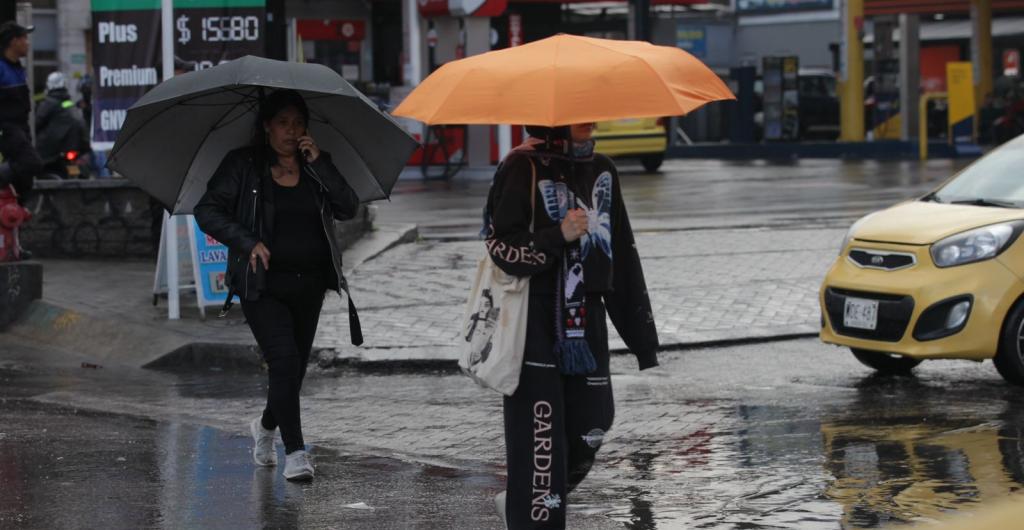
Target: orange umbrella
{"x": 563, "y": 80}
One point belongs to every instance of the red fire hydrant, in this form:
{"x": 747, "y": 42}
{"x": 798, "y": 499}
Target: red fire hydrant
{"x": 12, "y": 215}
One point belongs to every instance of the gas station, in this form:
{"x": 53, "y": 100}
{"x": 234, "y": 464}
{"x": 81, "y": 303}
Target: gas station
{"x": 895, "y": 61}
{"x": 897, "y": 69}
{"x": 438, "y": 31}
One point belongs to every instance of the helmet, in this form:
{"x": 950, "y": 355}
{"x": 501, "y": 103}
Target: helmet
{"x": 55, "y": 80}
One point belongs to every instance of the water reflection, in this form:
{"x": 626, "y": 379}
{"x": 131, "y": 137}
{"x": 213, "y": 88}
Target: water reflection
{"x": 209, "y": 481}
{"x": 863, "y": 454}
{"x": 906, "y": 451}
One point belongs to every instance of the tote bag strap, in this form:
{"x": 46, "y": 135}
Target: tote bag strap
{"x": 533, "y": 192}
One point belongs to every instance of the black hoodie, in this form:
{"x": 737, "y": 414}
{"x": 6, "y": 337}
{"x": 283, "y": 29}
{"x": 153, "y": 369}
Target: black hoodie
{"x": 611, "y": 266}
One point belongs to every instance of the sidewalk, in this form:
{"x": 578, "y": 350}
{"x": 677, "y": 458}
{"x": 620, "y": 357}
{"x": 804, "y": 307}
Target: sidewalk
{"x": 705, "y": 286}
{"x": 105, "y": 311}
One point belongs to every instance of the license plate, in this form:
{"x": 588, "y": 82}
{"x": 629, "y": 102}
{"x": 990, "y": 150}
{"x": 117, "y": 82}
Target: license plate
{"x": 861, "y": 314}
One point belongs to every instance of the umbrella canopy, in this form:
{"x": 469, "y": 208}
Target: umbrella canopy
{"x": 176, "y": 135}
{"x": 563, "y": 80}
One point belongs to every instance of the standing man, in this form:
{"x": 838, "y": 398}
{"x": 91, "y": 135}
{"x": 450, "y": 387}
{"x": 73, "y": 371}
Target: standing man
{"x": 20, "y": 161}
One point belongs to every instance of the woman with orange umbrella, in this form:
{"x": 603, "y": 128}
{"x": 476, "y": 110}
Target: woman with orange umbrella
{"x": 581, "y": 259}
{"x": 555, "y": 214}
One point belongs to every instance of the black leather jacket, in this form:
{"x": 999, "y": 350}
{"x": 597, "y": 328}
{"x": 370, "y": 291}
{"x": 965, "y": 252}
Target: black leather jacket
{"x": 238, "y": 210}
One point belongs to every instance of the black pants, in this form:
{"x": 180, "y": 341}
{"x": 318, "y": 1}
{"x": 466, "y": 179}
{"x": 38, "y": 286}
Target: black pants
{"x": 21, "y": 158}
{"x": 284, "y": 321}
{"x": 554, "y": 424}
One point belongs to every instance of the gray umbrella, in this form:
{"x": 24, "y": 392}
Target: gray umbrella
{"x": 175, "y": 136}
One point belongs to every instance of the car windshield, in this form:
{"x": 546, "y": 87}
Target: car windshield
{"x": 995, "y": 178}
{"x": 818, "y": 86}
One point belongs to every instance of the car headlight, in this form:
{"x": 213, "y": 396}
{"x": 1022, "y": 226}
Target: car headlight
{"x": 853, "y": 229}
{"x": 975, "y": 245}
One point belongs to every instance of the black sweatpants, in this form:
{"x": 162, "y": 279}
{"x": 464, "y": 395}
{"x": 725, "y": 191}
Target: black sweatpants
{"x": 284, "y": 321}
{"x": 554, "y": 424}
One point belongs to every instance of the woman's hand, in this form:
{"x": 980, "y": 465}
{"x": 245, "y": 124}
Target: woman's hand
{"x": 308, "y": 149}
{"x": 575, "y": 225}
{"x": 262, "y": 253}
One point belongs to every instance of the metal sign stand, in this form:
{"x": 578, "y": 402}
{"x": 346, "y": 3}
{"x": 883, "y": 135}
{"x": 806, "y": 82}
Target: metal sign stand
{"x": 167, "y": 278}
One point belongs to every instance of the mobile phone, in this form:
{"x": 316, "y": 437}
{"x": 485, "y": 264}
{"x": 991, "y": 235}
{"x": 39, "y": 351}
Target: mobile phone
{"x": 305, "y": 153}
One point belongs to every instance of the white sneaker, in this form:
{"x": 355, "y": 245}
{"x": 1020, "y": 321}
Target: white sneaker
{"x": 499, "y": 504}
{"x": 263, "y": 452}
{"x": 297, "y": 466}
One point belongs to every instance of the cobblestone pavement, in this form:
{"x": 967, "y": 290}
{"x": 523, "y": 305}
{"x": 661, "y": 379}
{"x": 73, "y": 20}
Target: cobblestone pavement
{"x": 706, "y": 285}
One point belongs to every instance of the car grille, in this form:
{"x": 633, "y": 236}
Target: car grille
{"x": 894, "y": 312}
{"x": 873, "y": 259}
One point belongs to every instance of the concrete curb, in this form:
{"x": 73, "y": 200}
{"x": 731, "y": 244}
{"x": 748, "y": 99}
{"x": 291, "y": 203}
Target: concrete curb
{"x": 375, "y": 362}
{"x": 210, "y": 356}
{"x": 67, "y": 330}
{"x": 377, "y": 241}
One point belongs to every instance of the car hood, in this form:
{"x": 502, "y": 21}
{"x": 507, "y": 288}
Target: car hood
{"x": 924, "y": 223}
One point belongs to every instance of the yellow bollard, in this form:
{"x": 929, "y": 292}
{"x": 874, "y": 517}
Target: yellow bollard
{"x": 922, "y": 126}
{"x": 851, "y": 82}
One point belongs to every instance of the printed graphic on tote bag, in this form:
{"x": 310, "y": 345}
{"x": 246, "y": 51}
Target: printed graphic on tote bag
{"x": 481, "y": 328}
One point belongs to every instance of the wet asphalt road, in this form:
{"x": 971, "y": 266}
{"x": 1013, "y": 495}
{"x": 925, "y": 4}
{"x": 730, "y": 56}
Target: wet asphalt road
{"x": 67, "y": 467}
{"x": 780, "y": 435}
{"x": 702, "y": 194}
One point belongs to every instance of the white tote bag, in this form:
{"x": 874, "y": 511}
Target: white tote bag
{"x": 494, "y": 324}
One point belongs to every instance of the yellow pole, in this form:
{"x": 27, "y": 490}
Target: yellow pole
{"x": 981, "y": 49}
{"x": 851, "y": 120}
{"x": 922, "y": 126}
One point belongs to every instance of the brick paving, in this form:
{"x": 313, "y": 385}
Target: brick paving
{"x": 706, "y": 285}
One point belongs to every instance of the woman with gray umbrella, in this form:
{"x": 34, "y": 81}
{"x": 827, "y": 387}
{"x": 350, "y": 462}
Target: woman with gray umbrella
{"x": 190, "y": 143}
{"x": 273, "y": 204}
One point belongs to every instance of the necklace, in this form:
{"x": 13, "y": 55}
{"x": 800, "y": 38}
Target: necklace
{"x": 288, "y": 170}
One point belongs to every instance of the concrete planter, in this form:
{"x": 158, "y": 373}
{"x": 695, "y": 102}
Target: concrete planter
{"x": 112, "y": 218}
{"x": 20, "y": 283}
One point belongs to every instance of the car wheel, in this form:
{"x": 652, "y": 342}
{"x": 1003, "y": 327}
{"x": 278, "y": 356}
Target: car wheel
{"x": 652, "y": 162}
{"x": 1009, "y": 360}
{"x": 885, "y": 363}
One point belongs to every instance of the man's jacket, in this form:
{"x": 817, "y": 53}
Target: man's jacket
{"x": 15, "y": 99}
{"x": 59, "y": 126}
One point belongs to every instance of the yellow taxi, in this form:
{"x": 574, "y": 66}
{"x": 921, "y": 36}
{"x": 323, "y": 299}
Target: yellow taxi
{"x": 939, "y": 277}
{"x": 643, "y": 138}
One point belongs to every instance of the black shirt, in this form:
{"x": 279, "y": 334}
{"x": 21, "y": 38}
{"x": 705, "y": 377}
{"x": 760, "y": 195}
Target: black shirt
{"x": 299, "y": 244}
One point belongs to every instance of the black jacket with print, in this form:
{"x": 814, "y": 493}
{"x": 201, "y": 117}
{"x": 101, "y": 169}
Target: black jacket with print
{"x": 617, "y": 277}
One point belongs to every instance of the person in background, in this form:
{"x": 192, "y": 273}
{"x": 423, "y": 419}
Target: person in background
{"x": 85, "y": 100}
{"x": 20, "y": 162}
{"x": 59, "y": 127}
